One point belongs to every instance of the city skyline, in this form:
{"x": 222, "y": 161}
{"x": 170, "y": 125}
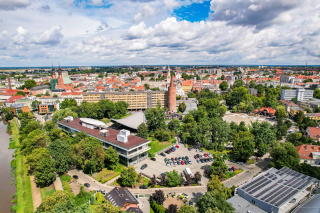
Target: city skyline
{"x": 106, "y": 33}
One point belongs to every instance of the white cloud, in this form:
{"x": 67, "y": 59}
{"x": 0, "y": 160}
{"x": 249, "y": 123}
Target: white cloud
{"x": 13, "y": 4}
{"x": 53, "y": 36}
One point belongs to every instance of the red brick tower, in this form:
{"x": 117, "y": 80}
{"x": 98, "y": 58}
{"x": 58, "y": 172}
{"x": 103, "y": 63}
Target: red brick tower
{"x": 60, "y": 79}
{"x": 172, "y": 96}
{"x": 9, "y": 82}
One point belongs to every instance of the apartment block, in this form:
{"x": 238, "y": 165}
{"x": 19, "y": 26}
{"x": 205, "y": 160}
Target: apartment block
{"x": 300, "y": 94}
{"x": 137, "y": 100}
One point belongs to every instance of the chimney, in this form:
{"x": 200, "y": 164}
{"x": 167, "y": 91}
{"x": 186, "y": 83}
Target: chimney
{"x": 9, "y": 82}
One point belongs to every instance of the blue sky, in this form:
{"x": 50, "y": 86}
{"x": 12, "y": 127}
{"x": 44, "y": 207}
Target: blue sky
{"x": 194, "y": 12}
{"x": 121, "y": 32}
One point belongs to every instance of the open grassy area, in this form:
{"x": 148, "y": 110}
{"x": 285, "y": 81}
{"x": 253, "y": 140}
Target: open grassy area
{"x": 24, "y": 194}
{"x": 105, "y": 175}
{"x": 156, "y": 145}
{"x": 47, "y": 191}
{"x": 65, "y": 179}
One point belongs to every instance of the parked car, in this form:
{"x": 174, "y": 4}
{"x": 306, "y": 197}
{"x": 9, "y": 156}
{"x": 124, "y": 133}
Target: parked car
{"x": 195, "y": 157}
{"x": 86, "y": 185}
{"x": 205, "y": 154}
{"x": 183, "y": 158}
{"x": 184, "y": 195}
{"x": 162, "y": 154}
{"x": 198, "y": 160}
{"x": 144, "y": 166}
{"x": 102, "y": 191}
{"x": 175, "y": 162}
{"x": 182, "y": 162}
{"x": 202, "y": 161}
{"x": 190, "y": 203}
{"x": 198, "y": 155}
{"x": 75, "y": 177}
{"x": 154, "y": 159}
{"x": 186, "y": 162}
{"x": 234, "y": 168}
{"x": 177, "y": 146}
{"x": 143, "y": 187}
{"x": 187, "y": 158}
{"x": 176, "y": 158}
{"x": 189, "y": 149}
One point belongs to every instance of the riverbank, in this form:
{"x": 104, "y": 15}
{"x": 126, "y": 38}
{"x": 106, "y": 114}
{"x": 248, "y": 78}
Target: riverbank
{"x": 24, "y": 194}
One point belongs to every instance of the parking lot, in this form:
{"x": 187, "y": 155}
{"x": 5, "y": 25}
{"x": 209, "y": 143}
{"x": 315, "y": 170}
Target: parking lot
{"x": 159, "y": 166}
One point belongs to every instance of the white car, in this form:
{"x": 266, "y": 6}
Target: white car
{"x": 190, "y": 162}
{"x": 184, "y": 195}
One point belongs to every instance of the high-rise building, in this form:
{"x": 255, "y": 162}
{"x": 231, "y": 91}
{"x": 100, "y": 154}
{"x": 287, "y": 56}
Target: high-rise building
{"x": 300, "y": 94}
{"x": 172, "y": 96}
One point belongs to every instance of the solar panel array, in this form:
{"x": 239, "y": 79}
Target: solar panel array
{"x": 277, "y": 186}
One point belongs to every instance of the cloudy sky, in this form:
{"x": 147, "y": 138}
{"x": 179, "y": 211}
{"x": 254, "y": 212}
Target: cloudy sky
{"x": 119, "y": 32}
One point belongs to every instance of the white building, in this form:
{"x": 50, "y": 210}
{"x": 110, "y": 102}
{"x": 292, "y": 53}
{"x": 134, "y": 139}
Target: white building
{"x": 300, "y": 94}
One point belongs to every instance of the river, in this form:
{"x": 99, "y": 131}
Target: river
{"x": 6, "y": 189}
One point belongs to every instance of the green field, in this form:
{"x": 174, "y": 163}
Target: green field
{"x": 156, "y": 145}
{"x": 24, "y": 194}
{"x": 105, "y": 175}
{"x": 47, "y": 191}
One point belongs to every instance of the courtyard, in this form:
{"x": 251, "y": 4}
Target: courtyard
{"x": 238, "y": 117}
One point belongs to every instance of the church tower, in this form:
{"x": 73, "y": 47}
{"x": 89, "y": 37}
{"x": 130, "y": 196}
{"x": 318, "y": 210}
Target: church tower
{"x": 168, "y": 75}
{"x": 60, "y": 79}
{"x": 53, "y": 73}
{"x": 172, "y": 97}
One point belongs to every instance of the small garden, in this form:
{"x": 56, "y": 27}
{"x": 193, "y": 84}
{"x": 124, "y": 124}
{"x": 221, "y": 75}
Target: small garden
{"x": 107, "y": 174}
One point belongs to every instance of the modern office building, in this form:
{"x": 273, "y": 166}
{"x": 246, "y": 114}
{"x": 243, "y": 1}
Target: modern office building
{"x": 48, "y": 108}
{"x": 131, "y": 149}
{"x": 300, "y": 94}
{"x": 137, "y": 100}
{"x": 20, "y": 107}
{"x": 276, "y": 191}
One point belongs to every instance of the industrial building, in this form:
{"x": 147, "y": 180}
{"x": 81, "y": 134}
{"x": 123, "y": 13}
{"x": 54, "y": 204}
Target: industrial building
{"x": 277, "y": 191}
{"x": 300, "y": 94}
{"x": 131, "y": 149}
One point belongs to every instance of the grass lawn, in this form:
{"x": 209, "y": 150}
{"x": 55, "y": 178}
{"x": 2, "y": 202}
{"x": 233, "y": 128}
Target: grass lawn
{"x": 65, "y": 183}
{"x": 156, "y": 145}
{"x": 24, "y": 194}
{"x": 47, "y": 191}
{"x": 105, "y": 175}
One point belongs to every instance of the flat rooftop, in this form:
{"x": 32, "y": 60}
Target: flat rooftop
{"x": 133, "y": 141}
{"x": 277, "y": 187}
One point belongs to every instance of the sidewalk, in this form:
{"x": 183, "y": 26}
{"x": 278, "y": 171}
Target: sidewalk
{"x": 57, "y": 183}
{"x": 36, "y": 194}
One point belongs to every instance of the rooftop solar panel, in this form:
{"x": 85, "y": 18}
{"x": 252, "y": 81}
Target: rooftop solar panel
{"x": 259, "y": 186}
{"x": 256, "y": 184}
{"x": 270, "y": 193}
{"x": 274, "y": 193}
{"x": 266, "y": 190}
{"x": 288, "y": 196}
{"x": 289, "y": 181}
{"x": 304, "y": 185}
{"x": 298, "y": 183}
{"x": 252, "y": 182}
{"x": 276, "y": 198}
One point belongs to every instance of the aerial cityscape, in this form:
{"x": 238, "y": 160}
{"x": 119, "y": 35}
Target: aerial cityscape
{"x": 160, "y": 106}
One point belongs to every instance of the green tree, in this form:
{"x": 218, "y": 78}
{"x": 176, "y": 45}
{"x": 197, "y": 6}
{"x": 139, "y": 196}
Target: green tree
{"x": 20, "y": 93}
{"x": 220, "y": 133}
{"x": 36, "y": 156}
{"x": 44, "y": 172}
{"x": 128, "y": 176}
{"x": 222, "y": 77}
{"x": 158, "y": 197}
{"x": 186, "y": 209}
{"x": 174, "y": 125}
{"x": 280, "y": 112}
{"x": 213, "y": 107}
{"x": 263, "y": 136}
{"x": 67, "y": 103}
{"x": 112, "y": 158}
{"x": 9, "y": 116}
{"x": 173, "y": 178}
{"x": 316, "y": 93}
{"x": 218, "y": 167}
{"x": 60, "y": 151}
{"x": 212, "y": 200}
{"x": 155, "y": 118}
{"x": 298, "y": 117}
{"x": 29, "y": 84}
{"x": 63, "y": 113}
{"x": 182, "y": 107}
{"x": 238, "y": 95}
{"x": 51, "y": 201}
{"x": 172, "y": 209}
{"x": 224, "y": 86}
{"x": 35, "y": 139}
{"x": 239, "y": 83}
{"x": 285, "y": 155}
{"x": 30, "y": 126}
{"x": 146, "y": 86}
{"x": 35, "y": 105}
{"x": 107, "y": 207}
{"x": 243, "y": 145}
{"x": 216, "y": 186}
{"x": 142, "y": 130}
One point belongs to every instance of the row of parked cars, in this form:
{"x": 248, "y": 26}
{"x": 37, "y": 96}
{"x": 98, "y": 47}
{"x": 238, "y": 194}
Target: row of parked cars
{"x": 168, "y": 151}
{"x": 178, "y": 161}
{"x": 204, "y": 155}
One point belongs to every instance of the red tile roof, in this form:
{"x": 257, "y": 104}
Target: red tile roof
{"x": 13, "y": 99}
{"x": 133, "y": 141}
{"x": 306, "y": 150}
{"x": 314, "y": 132}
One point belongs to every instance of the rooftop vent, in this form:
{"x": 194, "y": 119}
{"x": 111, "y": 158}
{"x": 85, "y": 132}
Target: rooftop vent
{"x": 123, "y": 135}
{"x": 68, "y": 119}
{"x": 104, "y": 132}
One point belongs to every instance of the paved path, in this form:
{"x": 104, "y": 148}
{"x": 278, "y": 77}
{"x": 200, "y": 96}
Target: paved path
{"x": 57, "y": 183}
{"x": 36, "y": 194}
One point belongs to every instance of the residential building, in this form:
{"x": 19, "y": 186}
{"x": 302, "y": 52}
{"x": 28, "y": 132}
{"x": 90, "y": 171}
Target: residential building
{"x": 300, "y": 94}
{"x": 122, "y": 197}
{"x": 253, "y": 91}
{"x": 131, "y": 149}
{"x": 276, "y": 191}
{"x": 314, "y": 133}
{"x": 266, "y": 111}
{"x": 286, "y": 78}
{"x": 39, "y": 90}
{"x": 309, "y": 154}
{"x": 16, "y": 108}
{"x": 48, "y": 108}
{"x": 137, "y": 100}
